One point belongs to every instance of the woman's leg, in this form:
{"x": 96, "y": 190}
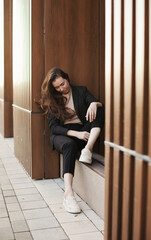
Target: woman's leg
{"x": 68, "y": 179}
{"x": 86, "y": 153}
{"x": 94, "y": 134}
{"x": 69, "y": 149}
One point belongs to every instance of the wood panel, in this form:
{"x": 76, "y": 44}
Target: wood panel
{"x": 139, "y": 187}
{"x": 37, "y": 146}
{"x": 51, "y": 158}
{"x": 37, "y": 60}
{"x": 149, "y": 85}
{"x": 128, "y": 166}
{"x": 21, "y": 53}
{"x": 127, "y": 212}
{"x": 22, "y": 138}
{"x": 108, "y": 192}
{"x": 72, "y": 40}
{"x": 117, "y": 119}
{"x": 109, "y": 117}
{"x": 2, "y": 116}
{"x": 2, "y": 49}
{"x": 148, "y": 207}
{"x": 6, "y": 69}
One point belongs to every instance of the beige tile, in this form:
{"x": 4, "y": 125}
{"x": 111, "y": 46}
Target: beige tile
{"x": 99, "y": 223}
{"x": 56, "y": 208}
{"x": 2, "y": 204}
{"x": 33, "y": 197}
{"x": 87, "y": 236}
{"x": 37, "y": 213}
{"x": 78, "y": 227}
{"x": 16, "y": 216}
{"x": 26, "y": 191}
{"x": 47, "y": 234}
{"x": 3, "y": 213}
{"x": 33, "y": 204}
{"x": 6, "y": 233}
{"x": 91, "y": 214}
{"x": 11, "y": 199}
{"x": 22, "y": 185}
{"x": 20, "y": 226}
{"x": 22, "y": 180}
{"x": 42, "y": 223}
{"x": 83, "y": 205}
{"x": 64, "y": 217}
{"x": 19, "y": 175}
{"x": 23, "y": 236}
{"x": 8, "y": 193}
{"x": 4, "y": 223}
{"x": 11, "y": 207}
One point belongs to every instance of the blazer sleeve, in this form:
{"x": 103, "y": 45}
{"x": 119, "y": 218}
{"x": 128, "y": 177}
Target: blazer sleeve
{"x": 89, "y": 98}
{"x": 56, "y": 126}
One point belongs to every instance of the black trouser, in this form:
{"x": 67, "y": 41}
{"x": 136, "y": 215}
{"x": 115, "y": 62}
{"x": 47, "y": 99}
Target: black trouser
{"x": 70, "y": 146}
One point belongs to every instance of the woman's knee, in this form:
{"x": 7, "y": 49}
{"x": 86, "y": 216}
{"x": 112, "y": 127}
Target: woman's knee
{"x": 70, "y": 146}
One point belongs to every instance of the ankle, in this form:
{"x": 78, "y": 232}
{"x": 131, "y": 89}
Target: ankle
{"x": 89, "y": 148}
{"x": 68, "y": 193}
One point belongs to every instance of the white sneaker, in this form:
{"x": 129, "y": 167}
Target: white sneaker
{"x": 86, "y": 156}
{"x": 70, "y": 204}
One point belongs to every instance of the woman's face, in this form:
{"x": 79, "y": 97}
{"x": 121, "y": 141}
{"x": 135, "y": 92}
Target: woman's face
{"x": 61, "y": 85}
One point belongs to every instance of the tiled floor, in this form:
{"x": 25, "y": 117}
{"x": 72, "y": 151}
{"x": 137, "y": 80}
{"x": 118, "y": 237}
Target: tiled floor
{"x": 32, "y": 209}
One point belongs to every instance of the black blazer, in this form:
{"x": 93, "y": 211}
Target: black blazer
{"x": 81, "y": 100}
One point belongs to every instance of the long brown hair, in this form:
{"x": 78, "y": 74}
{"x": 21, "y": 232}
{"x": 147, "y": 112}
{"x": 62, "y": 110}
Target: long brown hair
{"x": 51, "y": 100}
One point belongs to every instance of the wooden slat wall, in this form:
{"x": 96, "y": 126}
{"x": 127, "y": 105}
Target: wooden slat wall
{"x": 6, "y": 92}
{"x": 128, "y": 119}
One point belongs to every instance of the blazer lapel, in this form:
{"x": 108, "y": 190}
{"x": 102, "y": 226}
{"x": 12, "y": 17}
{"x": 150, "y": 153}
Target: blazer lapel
{"x": 75, "y": 97}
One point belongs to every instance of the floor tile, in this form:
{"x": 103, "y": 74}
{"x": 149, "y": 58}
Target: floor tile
{"x": 26, "y": 191}
{"x": 20, "y": 226}
{"x": 87, "y": 236}
{"x": 33, "y": 197}
{"x": 37, "y": 213}
{"x": 16, "y": 216}
{"x": 99, "y": 223}
{"x": 7, "y": 187}
{"x": 8, "y": 193}
{"x": 23, "y": 236}
{"x": 78, "y": 227}
{"x": 56, "y": 208}
{"x": 42, "y": 223}
{"x": 22, "y": 185}
{"x": 11, "y": 207}
{"x": 11, "y": 199}
{"x": 6, "y": 234}
{"x": 2, "y": 204}
{"x": 4, "y": 223}
{"x": 3, "y": 212}
{"x": 64, "y": 217}
{"x": 33, "y": 204}
{"x": 47, "y": 234}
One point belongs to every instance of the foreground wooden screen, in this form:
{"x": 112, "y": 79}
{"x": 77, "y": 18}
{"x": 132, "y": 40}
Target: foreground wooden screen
{"x": 128, "y": 119}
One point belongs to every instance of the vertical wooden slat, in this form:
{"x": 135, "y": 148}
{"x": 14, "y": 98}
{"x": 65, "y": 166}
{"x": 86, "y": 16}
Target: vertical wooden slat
{"x": 148, "y": 207}
{"x": 127, "y": 175}
{"x": 149, "y": 99}
{"x": 108, "y": 125}
{"x": 139, "y": 166}
{"x": 108, "y": 69}
{"x": 108, "y": 191}
{"x": 117, "y": 160}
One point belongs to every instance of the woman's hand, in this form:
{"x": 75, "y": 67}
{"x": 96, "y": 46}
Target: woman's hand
{"x": 91, "y": 112}
{"x": 81, "y": 135}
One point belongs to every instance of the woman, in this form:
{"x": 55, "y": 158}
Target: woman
{"x": 75, "y": 121}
